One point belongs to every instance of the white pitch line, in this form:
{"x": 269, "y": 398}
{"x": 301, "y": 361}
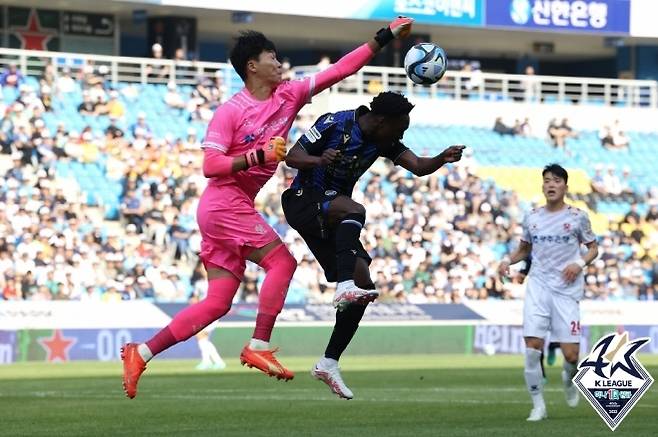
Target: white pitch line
{"x": 206, "y": 397}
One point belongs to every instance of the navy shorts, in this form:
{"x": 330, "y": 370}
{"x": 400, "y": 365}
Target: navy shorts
{"x": 305, "y": 211}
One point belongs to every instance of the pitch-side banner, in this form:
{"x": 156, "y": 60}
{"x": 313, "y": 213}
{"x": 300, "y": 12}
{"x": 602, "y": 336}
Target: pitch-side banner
{"x": 16, "y": 315}
{"x": 142, "y": 314}
{"x": 79, "y": 315}
{"x": 592, "y": 16}
{"x": 508, "y": 339}
{"x": 449, "y": 314}
{"x": 592, "y": 312}
{"x": 58, "y": 345}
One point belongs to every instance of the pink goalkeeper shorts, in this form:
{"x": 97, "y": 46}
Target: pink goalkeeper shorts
{"x": 230, "y": 228}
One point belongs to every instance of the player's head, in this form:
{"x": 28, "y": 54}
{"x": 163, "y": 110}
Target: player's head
{"x": 554, "y": 185}
{"x": 390, "y": 112}
{"x": 255, "y": 55}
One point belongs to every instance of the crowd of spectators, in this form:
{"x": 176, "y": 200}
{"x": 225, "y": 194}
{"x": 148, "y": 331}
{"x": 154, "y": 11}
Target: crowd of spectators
{"x": 520, "y": 128}
{"x": 613, "y": 137}
{"x": 557, "y": 133}
{"x": 439, "y": 239}
{"x": 433, "y": 239}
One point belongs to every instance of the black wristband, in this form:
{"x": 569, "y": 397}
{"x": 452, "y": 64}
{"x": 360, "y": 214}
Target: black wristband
{"x": 384, "y": 36}
{"x": 260, "y": 153}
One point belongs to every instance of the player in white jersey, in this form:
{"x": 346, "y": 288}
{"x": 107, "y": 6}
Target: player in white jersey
{"x": 553, "y": 235}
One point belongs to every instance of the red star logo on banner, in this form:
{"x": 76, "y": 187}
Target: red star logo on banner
{"x": 57, "y": 346}
{"x": 33, "y": 37}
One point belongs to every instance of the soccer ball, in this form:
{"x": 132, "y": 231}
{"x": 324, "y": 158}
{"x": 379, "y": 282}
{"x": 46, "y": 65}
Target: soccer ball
{"x": 425, "y": 63}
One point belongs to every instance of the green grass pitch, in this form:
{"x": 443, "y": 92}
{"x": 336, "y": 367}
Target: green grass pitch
{"x": 419, "y": 395}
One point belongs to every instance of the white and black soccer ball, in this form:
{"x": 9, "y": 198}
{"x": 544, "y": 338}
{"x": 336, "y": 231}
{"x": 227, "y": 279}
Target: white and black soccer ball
{"x": 425, "y": 63}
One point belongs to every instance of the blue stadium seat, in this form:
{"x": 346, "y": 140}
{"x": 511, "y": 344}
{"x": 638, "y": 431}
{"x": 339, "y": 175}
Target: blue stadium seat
{"x": 9, "y": 94}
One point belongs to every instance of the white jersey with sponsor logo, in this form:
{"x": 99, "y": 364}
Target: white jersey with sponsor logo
{"x": 556, "y": 239}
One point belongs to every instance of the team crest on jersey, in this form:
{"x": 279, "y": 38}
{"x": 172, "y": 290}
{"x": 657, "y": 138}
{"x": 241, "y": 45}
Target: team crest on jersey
{"x": 612, "y": 379}
{"x": 567, "y": 227}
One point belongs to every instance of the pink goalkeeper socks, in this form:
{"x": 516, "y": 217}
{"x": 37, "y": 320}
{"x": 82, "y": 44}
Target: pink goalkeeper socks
{"x": 196, "y": 317}
{"x": 280, "y": 266}
{"x": 264, "y": 326}
{"x": 161, "y": 341}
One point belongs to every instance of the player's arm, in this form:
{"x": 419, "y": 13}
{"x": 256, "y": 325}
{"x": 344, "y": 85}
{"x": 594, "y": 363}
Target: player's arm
{"x": 519, "y": 254}
{"x": 592, "y": 252}
{"x": 300, "y": 159}
{"x": 357, "y": 58}
{"x": 217, "y": 164}
{"x": 525, "y": 270}
{"x": 421, "y": 166}
{"x": 571, "y": 272}
{"x": 587, "y": 237}
{"x": 311, "y": 149}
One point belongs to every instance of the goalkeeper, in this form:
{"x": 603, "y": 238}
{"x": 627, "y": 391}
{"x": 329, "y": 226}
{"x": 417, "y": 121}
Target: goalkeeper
{"x": 242, "y": 148}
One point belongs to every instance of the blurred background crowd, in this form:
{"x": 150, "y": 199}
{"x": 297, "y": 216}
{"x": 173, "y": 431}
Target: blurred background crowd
{"x": 98, "y": 202}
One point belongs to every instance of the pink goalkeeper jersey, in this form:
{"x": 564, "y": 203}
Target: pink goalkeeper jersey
{"x": 244, "y": 123}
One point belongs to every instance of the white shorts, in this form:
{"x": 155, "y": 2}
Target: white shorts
{"x": 545, "y": 311}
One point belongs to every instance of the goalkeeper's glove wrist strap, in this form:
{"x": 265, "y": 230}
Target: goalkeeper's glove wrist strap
{"x": 255, "y": 157}
{"x": 384, "y": 36}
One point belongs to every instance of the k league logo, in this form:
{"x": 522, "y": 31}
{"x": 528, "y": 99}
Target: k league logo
{"x": 612, "y": 379}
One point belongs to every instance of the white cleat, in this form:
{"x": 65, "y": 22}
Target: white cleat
{"x": 221, "y": 365}
{"x": 348, "y": 293}
{"x": 331, "y": 376}
{"x": 537, "y": 414}
{"x": 203, "y": 366}
{"x": 570, "y": 391}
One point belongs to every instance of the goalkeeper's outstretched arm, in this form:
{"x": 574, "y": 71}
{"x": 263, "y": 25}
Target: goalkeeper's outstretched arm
{"x": 357, "y": 58}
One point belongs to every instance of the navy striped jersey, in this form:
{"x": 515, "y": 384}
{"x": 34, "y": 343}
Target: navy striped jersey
{"x": 340, "y": 131}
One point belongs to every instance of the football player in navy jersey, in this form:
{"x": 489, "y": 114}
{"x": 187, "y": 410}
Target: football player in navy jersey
{"x": 336, "y": 151}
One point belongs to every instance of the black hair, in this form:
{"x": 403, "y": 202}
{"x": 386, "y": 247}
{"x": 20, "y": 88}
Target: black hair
{"x": 248, "y": 46}
{"x": 557, "y": 170}
{"x": 390, "y": 104}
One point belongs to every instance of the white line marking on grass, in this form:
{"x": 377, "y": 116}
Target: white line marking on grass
{"x": 464, "y": 389}
{"x": 233, "y": 395}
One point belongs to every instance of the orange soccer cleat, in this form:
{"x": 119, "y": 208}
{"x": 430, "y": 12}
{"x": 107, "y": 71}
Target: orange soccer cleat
{"x": 133, "y": 367}
{"x": 265, "y": 362}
